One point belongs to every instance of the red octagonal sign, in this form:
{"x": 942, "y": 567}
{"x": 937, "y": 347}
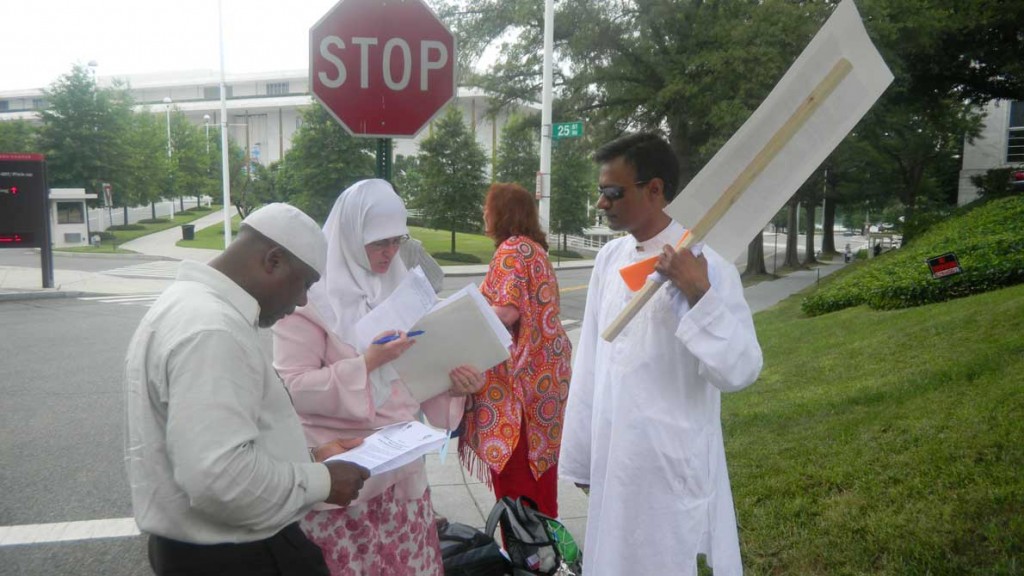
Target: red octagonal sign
{"x": 382, "y": 68}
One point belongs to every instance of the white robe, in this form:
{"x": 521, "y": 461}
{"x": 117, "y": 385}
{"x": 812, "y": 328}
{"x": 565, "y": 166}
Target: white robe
{"x": 643, "y": 424}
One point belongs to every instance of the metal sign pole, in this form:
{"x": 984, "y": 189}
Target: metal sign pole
{"x": 384, "y": 149}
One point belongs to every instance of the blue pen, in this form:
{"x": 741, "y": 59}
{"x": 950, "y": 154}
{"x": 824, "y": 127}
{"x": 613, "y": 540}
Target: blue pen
{"x": 394, "y": 337}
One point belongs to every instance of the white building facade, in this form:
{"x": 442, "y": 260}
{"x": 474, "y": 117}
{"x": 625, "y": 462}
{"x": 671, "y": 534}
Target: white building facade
{"x": 1000, "y": 145}
{"x": 264, "y": 110}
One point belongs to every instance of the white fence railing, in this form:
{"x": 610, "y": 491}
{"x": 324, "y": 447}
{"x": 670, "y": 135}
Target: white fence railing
{"x": 102, "y": 218}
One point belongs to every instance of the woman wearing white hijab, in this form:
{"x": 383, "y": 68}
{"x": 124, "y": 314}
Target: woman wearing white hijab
{"x": 338, "y": 392}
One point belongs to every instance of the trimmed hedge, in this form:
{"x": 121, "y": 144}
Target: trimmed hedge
{"x": 988, "y": 241}
{"x": 564, "y": 254}
{"x": 456, "y": 257}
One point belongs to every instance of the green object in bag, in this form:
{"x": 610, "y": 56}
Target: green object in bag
{"x": 564, "y": 541}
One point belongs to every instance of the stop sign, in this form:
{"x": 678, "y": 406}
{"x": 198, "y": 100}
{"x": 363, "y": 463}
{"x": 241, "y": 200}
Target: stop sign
{"x": 382, "y": 68}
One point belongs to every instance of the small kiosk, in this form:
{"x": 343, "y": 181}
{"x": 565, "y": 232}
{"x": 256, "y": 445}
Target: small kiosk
{"x": 69, "y": 217}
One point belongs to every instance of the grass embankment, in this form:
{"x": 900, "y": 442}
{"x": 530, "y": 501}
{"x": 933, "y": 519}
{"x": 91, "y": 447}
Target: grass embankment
{"x": 884, "y": 442}
{"x": 989, "y": 243}
{"x": 118, "y": 235}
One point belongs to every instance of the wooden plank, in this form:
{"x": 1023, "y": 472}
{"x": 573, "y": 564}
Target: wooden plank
{"x": 734, "y": 191}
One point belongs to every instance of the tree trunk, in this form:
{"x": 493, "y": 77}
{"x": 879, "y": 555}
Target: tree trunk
{"x": 126, "y": 215}
{"x": 809, "y": 237}
{"x": 755, "y": 257}
{"x": 453, "y": 241}
{"x": 152, "y": 209}
{"x": 828, "y": 238}
{"x": 792, "y": 257}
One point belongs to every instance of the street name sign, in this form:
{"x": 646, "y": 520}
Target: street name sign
{"x": 567, "y": 130}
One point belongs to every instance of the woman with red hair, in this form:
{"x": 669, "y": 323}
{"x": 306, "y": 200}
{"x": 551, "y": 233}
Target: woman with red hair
{"x": 513, "y": 427}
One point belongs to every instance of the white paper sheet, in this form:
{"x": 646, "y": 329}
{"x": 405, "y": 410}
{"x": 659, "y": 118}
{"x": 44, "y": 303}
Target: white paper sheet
{"x": 394, "y": 446}
{"x": 461, "y": 330}
{"x": 412, "y": 298}
{"x": 842, "y": 36}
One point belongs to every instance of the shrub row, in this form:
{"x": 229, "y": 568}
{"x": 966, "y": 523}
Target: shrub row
{"x": 988, "y": 241}
{"x": 456, "y": 257}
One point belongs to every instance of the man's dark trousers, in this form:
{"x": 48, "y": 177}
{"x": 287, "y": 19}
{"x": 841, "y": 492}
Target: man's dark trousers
{"x": 287, "y": 553}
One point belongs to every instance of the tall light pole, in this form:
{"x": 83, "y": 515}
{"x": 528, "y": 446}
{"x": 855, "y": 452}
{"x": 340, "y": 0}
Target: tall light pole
{"x": 92, "y": 68}
{"x": 225, "y": 175}
{"x": 206, "y": 123}
{"x": 544, "y": 208}
{"x": 167, "y": 105}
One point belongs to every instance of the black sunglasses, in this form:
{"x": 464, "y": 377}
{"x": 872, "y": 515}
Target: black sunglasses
{"x": 615, "y": 192}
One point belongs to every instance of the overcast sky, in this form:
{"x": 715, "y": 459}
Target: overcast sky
{"x": 42, "y": 39}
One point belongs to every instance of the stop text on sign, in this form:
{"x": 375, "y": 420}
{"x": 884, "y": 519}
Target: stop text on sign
{"x": 397, "y": 54}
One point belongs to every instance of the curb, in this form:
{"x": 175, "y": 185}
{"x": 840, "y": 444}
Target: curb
{"x": 132, "y": 255}
{"x": 39, "y": 295}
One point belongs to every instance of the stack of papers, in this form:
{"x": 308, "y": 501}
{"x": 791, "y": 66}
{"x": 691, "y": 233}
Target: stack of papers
{"x": 459, "y": 330}
{"x": 394, "y": 446}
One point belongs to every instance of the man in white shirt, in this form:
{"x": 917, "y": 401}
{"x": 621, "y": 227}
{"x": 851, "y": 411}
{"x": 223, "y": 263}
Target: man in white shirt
{"x": 217, "y": 460}
{"x": 642, "y": 425}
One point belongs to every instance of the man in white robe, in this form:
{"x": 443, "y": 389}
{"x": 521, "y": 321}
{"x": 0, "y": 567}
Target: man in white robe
{"x": 642, "y": 426}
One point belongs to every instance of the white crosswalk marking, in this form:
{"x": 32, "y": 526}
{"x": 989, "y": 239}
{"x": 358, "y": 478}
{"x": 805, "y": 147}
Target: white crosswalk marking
{"x": 164, "y": 269}
{"x": 67, "y": 531}
{"x": 124, "y": 299}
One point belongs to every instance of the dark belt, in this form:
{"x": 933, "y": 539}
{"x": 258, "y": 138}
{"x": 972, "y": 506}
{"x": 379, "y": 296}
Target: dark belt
{"x": 287, "y": 553}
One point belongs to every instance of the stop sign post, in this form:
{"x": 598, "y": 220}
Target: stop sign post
{"x": 382, "y": 68}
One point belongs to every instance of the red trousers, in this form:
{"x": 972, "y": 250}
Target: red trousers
{"x": 517, "y": 480}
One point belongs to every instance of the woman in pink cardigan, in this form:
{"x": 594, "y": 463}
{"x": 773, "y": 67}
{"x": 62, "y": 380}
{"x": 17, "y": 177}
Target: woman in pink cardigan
{"x": 339, "y": 392}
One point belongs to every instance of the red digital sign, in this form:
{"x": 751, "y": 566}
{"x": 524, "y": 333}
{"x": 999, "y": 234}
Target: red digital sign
{"x": 23, "y": 199}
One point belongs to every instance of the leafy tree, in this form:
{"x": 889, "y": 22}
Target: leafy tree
{"x": 18, "y": 136}
{"x": 84, "y": 134}
{"x": 454, "y": 179}
{"x": 408, "y": 179}
{"x": 518, "y": 153}
{"x": 146, "y": 168}
{"x": 189, "y": 159}
{"x": 755, "y": 257}
{"x": 573, "y": 181}
{"x": 323, "y": 161}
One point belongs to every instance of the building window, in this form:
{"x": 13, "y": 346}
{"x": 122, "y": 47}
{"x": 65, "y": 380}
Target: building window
{"x": 4, "y": 105}
{"x": 277, "y": 89}
{"x": 40, "y": 104}
{"x": 213, "y": 92}
{"x": 70, "y": 213}
{"x": 1015, "y": 137}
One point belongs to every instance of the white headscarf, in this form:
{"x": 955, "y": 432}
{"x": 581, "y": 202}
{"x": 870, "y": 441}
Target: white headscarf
{"x": 366, "y": 212}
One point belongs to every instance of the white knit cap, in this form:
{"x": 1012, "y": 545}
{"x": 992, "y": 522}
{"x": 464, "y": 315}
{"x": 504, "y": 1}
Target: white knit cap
{"x": 293, "y": 230}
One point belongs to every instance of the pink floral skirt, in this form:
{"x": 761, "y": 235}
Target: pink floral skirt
{"x": 383, "y": 537}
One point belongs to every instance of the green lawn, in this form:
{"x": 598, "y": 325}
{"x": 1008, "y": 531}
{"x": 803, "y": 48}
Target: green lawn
{"x": 211, "y": 237}
{"x": 113, "y": 238}
{"x": 438, "y": 241}
{"x": 883, "y": 442}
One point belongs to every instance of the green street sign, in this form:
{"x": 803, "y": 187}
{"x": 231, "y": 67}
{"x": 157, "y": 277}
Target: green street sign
{"x": 566, "y": 130}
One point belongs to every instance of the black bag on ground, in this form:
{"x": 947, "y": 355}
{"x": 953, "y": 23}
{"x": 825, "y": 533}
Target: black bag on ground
{"x": 528, "y": 541}
{"x": 466, "y": 551}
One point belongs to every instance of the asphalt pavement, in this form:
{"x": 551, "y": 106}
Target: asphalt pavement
{"x": 456, "y": 493}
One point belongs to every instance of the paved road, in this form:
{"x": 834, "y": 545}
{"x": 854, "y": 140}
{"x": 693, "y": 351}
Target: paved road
{"x": 71, "y": 261}
{"x": 61, "y": 419}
